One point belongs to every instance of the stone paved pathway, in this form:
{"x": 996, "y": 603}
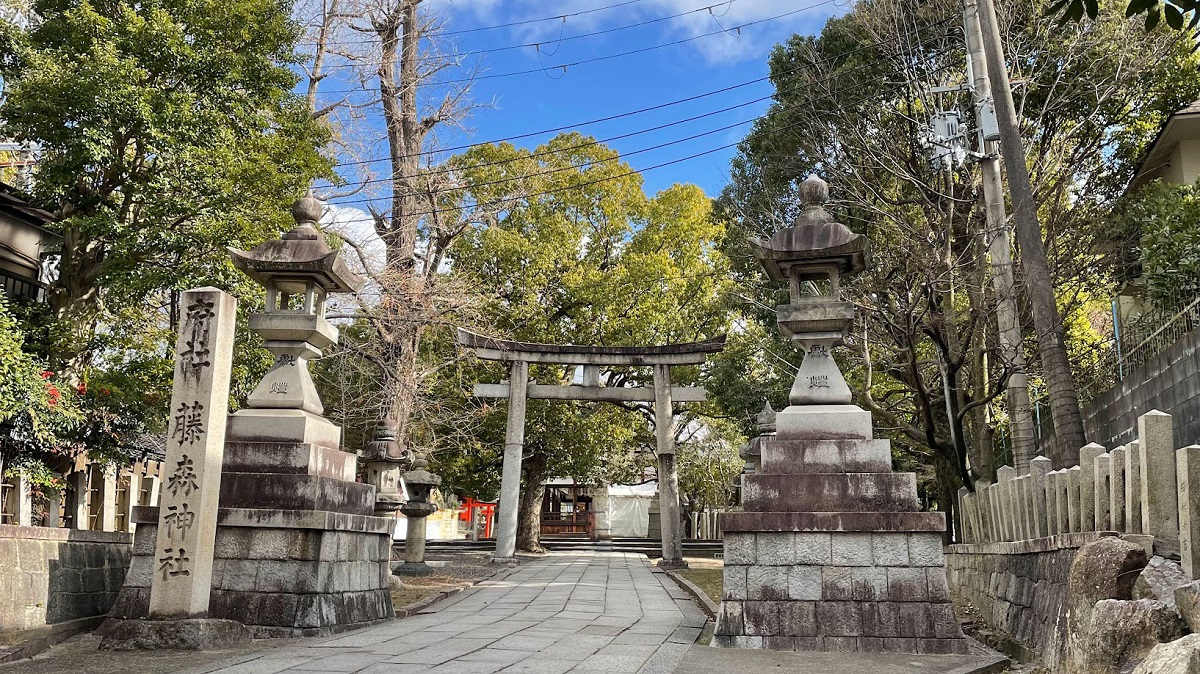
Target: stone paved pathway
{"x": 568, "y": 612}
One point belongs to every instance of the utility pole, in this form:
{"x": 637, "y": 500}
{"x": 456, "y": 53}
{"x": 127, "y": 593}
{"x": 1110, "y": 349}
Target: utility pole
{"x": 1064, "y": 400}
{"x": 999, "y": 244}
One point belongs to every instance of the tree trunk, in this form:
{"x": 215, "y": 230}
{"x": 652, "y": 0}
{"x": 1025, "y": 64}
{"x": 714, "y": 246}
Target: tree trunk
{"x": 400, "y": 33}
{"x": 948, "y": 481}
{"x": 535, "y": 470}
{"x": 75, "y": 300}
{"x": 1064, "y": 400}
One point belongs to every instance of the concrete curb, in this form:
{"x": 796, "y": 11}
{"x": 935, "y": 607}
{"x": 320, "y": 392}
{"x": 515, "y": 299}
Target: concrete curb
{"x": 688, "y": 586}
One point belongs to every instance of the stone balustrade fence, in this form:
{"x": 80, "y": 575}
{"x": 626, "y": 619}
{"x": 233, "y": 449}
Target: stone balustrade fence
{"x": 1146, "y": 487}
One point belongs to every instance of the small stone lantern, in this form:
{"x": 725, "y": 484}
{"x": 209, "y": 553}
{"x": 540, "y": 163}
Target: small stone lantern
{"x": 298, "y": 271}
{"x": 384, "y": 457}
{"x": 815, "y": 251}
{"x": 419, "y": 482}
{"x": 752, "y": 451}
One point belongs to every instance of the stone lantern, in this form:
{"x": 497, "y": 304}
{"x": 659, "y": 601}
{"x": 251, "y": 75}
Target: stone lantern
{"x": 298, "y": 270}
{"x": 419, "y": 482}
{"x": 824, "y": 503}
{"x": 817, "y": 251}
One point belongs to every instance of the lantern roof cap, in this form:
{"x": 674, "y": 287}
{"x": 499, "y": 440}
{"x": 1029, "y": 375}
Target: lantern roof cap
{"x": 815, "y": 239}
{"x": 299, "y": 253}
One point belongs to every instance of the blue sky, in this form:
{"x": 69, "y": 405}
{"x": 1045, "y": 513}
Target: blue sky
{"x": 550, "y": 98}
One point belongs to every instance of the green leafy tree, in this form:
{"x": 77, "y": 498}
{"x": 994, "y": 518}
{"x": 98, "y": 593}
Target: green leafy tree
{"x": 37, "y": 414}
{"x": 1160, "y": 223}
{"x": 165, "y": 131}
{"x": 1179, "y": 14}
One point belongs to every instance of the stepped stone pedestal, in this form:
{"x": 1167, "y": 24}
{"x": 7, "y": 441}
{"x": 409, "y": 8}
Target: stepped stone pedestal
{"x": 831, "y": 552}
{"x": 298, "y": 550}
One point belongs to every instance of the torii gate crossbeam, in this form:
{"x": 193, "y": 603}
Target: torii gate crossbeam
{"x": 518, "y": 390}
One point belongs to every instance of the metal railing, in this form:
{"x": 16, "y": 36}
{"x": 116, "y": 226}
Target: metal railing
{"x": 1152, "y": 333}
{"x": 20, "y": 287}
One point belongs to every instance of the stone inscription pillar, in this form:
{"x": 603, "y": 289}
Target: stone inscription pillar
{"x": 510, "y": 478}
{"x": 668, "y": 472}
{"x": 187, "y": 521}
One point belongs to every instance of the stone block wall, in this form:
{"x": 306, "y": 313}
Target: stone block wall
{"x": 50, "y": 575}
{"x": 1169, "y": 381}
{"x": 870, "y": 592}
{"x": 1020, "y": 587}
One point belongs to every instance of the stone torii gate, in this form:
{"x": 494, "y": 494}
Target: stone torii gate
{"x": 519, "y": 389}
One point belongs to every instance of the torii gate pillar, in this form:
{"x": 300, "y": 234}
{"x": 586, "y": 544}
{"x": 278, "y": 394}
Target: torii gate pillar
{"x": 668, "y": 472}
{"x": 510, "y": 480}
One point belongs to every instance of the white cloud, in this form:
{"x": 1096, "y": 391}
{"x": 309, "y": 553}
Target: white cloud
{"x": 355, "y": 225}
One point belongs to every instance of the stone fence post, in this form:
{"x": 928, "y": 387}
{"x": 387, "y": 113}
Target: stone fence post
{"x": 1073, "y": 476}
{"x": 1038, "y": 468}
{"x": 1087, "y": 485}
{"x": 1101, "y": 467}
{"x": 1116, "y": 489}
{"x": 1160, "y": 504}
{"x": 1051, "y": 504}
{"x": 1026, "y": 509}
{"x": 1133, "y": 489}
{"x": 1187, "y": 461}
{"x": 983, "y": 501}
{"x": 1004, "y": 477}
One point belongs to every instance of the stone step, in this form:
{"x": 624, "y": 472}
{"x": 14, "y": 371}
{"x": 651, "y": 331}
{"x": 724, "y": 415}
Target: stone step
{"x": 830, "y": 492}
{"x": 824, "y": 422}
{"x": 791, "y": 457}
{"x": 289, "y": 457}
{"x": 286, "y": 491}
{"x": 834, "y": 521}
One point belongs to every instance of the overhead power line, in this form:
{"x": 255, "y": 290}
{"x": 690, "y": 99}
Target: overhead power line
{"x": 497, "y": 202}
{"x": 631, "y": 113}
{"x": 556, "y": 17}
{"x": 608, "y": 57}
{"x": 539, "y": 45}
{"x": 727, "y": 127}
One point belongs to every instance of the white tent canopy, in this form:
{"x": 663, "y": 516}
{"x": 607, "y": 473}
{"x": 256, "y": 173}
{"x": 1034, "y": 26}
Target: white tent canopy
{"x": 629, "y": 508}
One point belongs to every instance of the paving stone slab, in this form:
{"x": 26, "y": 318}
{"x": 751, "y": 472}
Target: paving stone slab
{"x": 606, "y": 612}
